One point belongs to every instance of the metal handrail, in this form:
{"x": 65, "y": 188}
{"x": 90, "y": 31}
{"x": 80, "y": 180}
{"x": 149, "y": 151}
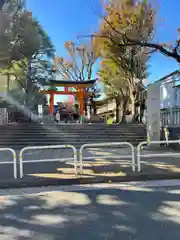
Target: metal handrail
{"x": 148, "y": 155}
{"x": 107, "y": 144}
{"x": 22, "y": 161}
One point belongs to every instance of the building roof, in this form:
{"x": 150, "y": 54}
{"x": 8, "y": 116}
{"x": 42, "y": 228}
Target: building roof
{"x": 75, "y": 83}
{"x": 104, "y": 101}
{"x": 177, "y": 72}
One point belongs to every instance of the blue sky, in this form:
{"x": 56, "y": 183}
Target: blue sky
{"x": 66, "y": 19}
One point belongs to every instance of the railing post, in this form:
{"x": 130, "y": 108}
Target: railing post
{"x": 14, "y": 160}
{"x": 44, "y": 160}
{"x": 171, "y": 116}
{"x": 104, "y": 145}
{"x": 139, "y": 155}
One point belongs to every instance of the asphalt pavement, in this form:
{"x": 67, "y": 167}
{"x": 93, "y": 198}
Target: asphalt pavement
{"x": 136, "y": 211}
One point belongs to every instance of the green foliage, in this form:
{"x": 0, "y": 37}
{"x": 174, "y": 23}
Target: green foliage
{"x": 21, "y": 35}
{"x": 25, "y": 52}
{"x": 18, "y": 86}
{"x": 113, "y": 79}
{"x": 52, "y": 88}
{"x": 18, "y": 70}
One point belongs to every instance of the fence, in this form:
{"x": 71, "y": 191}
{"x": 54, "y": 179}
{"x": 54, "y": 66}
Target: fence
{"x": 170, "y": 116}
{"x": 139, "y": 155}
{"x": 14, "y": 160}
{"x": 21, "y": 161}
{"x": 132, "y": 156}
{"x": 81, "y": 157}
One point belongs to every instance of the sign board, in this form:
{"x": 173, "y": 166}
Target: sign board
{"x": 40, "y": 110}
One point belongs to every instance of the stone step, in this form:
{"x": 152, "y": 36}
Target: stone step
{"x": 9, "y": 135}
{"x": 75, "y": 126}
{"x": 68, "y": 140}
{"x": 73, "y": 129}
{"x": 34, "y": 136}
{"x": 70, "y": 135}
{"x": 22, "y": 135}
{"x": 70, "y": 127}
{"x": 54, "y": 133}
{"x": 7, "y": 143}
{"x": 24, "y": 138}
{"x": 78, "y": 145}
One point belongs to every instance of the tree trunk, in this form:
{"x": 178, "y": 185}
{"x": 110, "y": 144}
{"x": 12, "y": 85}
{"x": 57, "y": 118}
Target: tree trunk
{"x": 142, "y": 109}
{"x": 28, "y": 86}
{"x": 124, "y": 107}
{"x": 134, "y": 112}
{"x": 118, "y": 110}
{"x": 133, "y": 108}
{"x": 141, "y": 115}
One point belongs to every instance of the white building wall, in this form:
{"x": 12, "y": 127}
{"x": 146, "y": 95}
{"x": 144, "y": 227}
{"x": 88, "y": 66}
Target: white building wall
{"x": 167, "y": 94}
{"x": 178, "y": 97}
{"x": 110, "y": 106}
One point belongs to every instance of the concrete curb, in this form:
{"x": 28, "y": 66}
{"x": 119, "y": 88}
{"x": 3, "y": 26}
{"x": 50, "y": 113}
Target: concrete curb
{"x": 25, "y": 183}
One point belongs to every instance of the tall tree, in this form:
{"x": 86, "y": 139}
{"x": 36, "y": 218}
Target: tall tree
{"x": 115, "y": 86}
{"x": 133, "y": 22}
{"x": 21, "y": 35}
{"x": 22, "y": 39}
{"x": 125, "y": 75}
{"x": 79, "y": 66}
{"x": 132, "y": 60}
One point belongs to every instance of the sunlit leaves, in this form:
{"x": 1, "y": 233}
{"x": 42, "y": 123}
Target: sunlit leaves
{"x": 126, "y": 20}
{"x": 123, "y": 20}
{"x": 113, "y": 78}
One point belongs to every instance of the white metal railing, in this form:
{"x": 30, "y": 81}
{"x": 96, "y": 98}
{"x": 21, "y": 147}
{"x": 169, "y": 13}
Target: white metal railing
{"x": 165, "y": 154}
{"x": 170, "y": 116}
{"x": 132, "y": 156}
{"x": 176, "y": 116}
{"x": 14, "y": 160}
{"x": 21, "y": 161}
{"x": 165, "y": 118}
{"x": 82, "y": 157}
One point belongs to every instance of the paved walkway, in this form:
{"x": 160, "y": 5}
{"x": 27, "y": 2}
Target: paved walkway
{"x": 103, "y": 212}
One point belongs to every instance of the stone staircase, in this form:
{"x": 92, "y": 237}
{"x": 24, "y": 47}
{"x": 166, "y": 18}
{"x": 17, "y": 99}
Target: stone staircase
{"x": 94, "y": 119}
{"x": 31, "y": 134}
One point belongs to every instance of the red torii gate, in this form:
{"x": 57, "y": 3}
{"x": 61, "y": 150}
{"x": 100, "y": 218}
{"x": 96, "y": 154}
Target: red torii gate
{"x": 80, "y": 92}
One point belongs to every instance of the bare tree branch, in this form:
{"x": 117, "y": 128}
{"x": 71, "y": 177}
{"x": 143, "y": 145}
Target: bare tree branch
{"x": 133, "y": 42}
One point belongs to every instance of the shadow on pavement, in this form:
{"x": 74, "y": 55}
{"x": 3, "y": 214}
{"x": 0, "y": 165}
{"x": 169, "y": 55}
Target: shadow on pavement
{"x": 136, "y": 214}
